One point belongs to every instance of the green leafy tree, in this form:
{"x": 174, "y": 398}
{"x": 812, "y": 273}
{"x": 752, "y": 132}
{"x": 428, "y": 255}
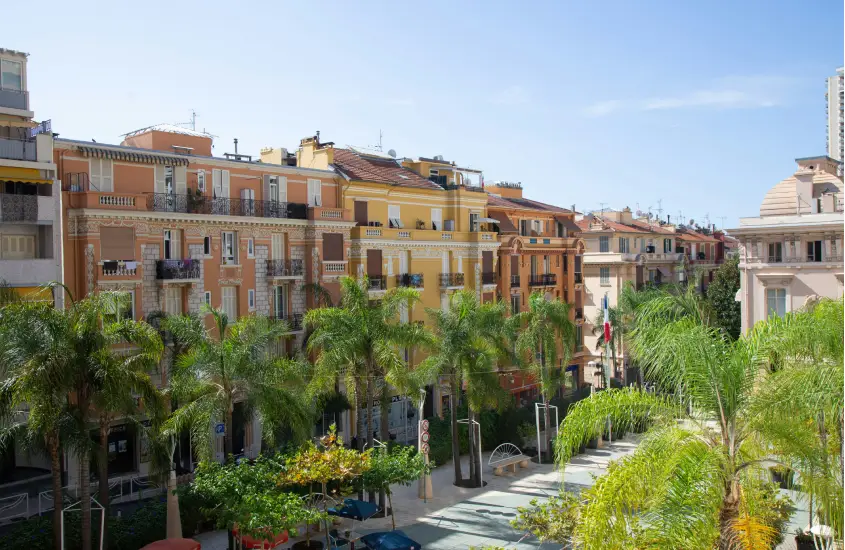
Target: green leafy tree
{"x": 228, "y": 365}
{"x": 545, "y": 338}
{"x": 553, "y": 520}
{"x": 401, "y": 465}
{"x": 687, "y": 484}
{"x": 36, "y": 367}
{"x": 359, "y": 344}
{"x": 721, "y": 295}
{"x": 469, "y": 340}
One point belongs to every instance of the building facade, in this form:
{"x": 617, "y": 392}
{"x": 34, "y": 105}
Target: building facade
{"x": 835, "y": 97}
{"x": 161, "y": 218}
{"x": 792, "y": 252}
{"x": 622, "y": 250}
{"x": 539, "y": 252}
{"x": 30, "y": 232}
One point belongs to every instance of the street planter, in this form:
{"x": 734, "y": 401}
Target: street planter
{"x": 593, "y": 443}
{"x": 582, "y": 449}
{"x": 804, "y": 541}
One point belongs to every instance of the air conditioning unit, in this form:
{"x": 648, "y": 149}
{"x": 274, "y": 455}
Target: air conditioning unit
{"x": 449, "y": 225}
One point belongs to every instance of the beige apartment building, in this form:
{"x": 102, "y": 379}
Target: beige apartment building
{"x": 622, "y": 249}
{"x": 792, "y": 252}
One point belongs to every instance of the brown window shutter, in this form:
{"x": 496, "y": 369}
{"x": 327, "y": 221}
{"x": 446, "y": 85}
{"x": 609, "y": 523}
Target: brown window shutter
{"x": 361, "y": 216}
{"x": 117, "y": 243}
{"x": 333, "y": 247}
{"x": 487, "y": 261}
{"x": 373, "y": 263}
{"x": 514, "y": 265}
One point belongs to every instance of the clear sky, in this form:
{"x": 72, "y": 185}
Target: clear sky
{"x": 703, "y": 105}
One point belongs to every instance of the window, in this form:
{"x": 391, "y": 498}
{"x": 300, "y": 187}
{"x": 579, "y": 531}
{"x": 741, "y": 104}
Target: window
{"x": 624, "y": 245}
{"x": 278, "y": 189}
{"x": 229, "y": 302}
{"x": 250, "y": 248}
{"x": 277, "y": 246}
{"x": 667, "y": 246}
{"x": 523, "y": 228}
{"x": 117, "y": 243}
{"x": 230, "y": 247}
{"x": 579, "y": 338}
{"x": 124, "y": 308}
{"x": 101, "y": 175}
{"x": 436, "y": 219}
{"x": 533, "y": 266}
{"x": 535, "y": 227}
{"x": 280, "y": 302}
{"x": 604, "y": 244}
{"x": 172, "y": 244}
{"x": 547, "y": 264}
{"x": 515, "y": 303}
{"x": 17, "y": 247}
{"x": 206, "y": 246}
{"x": 11, "y": 75}
{"x": 251, "y": 299}
{"x": 208, "y": 297}
{"x": 473, "y": 221}
{"x": 604, "y": 276}
{"x": 394, "y": 216}
{"x": 775, "y": 252}
{"x": 173, "y": 300}
{"x": 201, "y": 180}
{"x": 168, "y": 180}
{"x": 315, "y": 197}
{"x": 776, "y": 302}
{"x": 814, "y": 251}
{"x": 433, "y": 172}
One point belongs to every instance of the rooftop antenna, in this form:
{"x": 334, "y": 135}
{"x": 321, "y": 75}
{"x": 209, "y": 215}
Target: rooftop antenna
{"x": 722, "y": 220}
{"x": 380, "y": 135}
{"x": 601, "y": 206}
{"x": 660, "y": 208}
{"x": 681, "y": 217}
{"x": 193, "y": 120}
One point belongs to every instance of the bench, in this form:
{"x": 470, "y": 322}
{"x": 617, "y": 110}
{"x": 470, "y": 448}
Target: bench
{"x": 507, "y": 456}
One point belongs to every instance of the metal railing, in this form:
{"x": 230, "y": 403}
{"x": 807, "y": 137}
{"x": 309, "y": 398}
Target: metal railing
{"x": 413, "y": 280}
{"x": 76, "y": 182}
{"x": 488, "y": 278}
{"x": 451, "y": 279}
{"x": 579, "y": 278}
{"x": 376, "y": 282}
{"x": 14, "y": 99}
{"x": 515, "y": 280}
{"x": 294, "y": 320}
{"x": 198, "y": 204}
{"x": 177, "y": 269}
{"x": 775, "y": 259}
{"x": 14, "y": 507}
{"x": 285, "y": 268}
{"x": 545, "y": 279}
{"x": 18, "y": 149}
{"x": 579, "y": 314}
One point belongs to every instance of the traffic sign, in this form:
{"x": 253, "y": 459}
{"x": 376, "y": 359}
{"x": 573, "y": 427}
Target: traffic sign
{"x": 425, "y": 436}
{"x": 425, "y": 448}
{"x": 424, "y": 425}
{"x": 220, "y": 429}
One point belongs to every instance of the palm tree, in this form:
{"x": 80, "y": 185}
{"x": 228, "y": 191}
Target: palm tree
{"x": 689, "y": 485}
{"x": 545, "y": 338}
{"x": 469, "y": 340}
{"x": 359, "y": 344}
{"x": 33, "y": 353}
{"x": 233, "y": 366}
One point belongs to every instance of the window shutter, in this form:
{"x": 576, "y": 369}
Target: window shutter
{"x": 107, "y": 185}
{"x": 332, "y": 247}
{"x": 216, "y": 183}
{"x": 176, "y": 244}
{"x": 283, "y": 189}
{"x": 117, "y": 243}
{"x": 180, "y": 173}
{"x": 159, "y": 176}
{"x": 266, "y": 189}
{"x": 278, "y": 244}
{"x": 225, "y": 184}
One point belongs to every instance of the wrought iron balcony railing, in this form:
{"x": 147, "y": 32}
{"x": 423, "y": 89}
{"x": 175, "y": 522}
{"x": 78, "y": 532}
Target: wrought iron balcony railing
{"x": 579, "y": 278}
{"x": 515, "y": 280}
{"x": 488, "y": 278}
{"x": 545, "y": 279}
{"x": 194, "y": 204}
{"x": 376, "y": 282}
{"x": 285, "y": 268}
{"x": 413, "y": 280}
{"x": 169, "y": 270}
{"x": 294, "y": 320}
{"x": 451, "y": 279}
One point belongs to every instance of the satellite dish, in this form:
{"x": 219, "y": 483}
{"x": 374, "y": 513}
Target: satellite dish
{"x": 639, "y": 213}
{"x": 392, "y": 153}
{"x": 691, "y": 222}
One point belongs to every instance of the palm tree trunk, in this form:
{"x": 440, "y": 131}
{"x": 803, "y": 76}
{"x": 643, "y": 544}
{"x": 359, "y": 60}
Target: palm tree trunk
{"x": 58, "y": 500}
{"x": 371, "y": 494}
{"x": 728, "y": 514}
{"x": 456, "y": 443}
{"x": 85, "y": 497}
{"x": 103, "y": 467}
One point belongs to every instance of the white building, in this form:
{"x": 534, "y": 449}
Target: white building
{"x": 836, "y": 115}
{"x": 792, "y": 252}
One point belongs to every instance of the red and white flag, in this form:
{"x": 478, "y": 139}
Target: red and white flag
{"x": 606, "y": 320}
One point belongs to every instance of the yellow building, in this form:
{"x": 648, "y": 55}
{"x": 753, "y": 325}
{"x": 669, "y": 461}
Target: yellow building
{"x": 410, "y": 230}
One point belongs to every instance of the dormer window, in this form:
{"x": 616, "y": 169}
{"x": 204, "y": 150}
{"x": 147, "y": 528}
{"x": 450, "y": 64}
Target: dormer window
{"x": 11, "y": 75}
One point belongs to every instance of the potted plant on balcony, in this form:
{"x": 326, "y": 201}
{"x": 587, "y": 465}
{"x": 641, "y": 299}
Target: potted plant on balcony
{"x": 420, "y": 224}
{"x": 195, "y": 200}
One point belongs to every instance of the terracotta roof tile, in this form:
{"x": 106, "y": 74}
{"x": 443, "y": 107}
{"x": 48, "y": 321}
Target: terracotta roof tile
{"x": 524, "y": 204}
{"x": 378, "y": 170}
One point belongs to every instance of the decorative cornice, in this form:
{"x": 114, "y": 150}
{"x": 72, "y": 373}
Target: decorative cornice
{"x": 96, "y": 213}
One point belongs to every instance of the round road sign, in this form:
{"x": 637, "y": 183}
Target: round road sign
{"x": 425, "y": 425}
{"x": 425, "y": 436}
{"x": 425, "y": 448}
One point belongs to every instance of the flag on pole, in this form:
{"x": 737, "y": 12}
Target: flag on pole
{"x": 606, "y": 320}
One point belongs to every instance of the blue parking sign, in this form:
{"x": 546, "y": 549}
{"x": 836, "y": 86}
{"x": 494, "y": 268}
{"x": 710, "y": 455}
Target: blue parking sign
{"x": 220, "y": 429}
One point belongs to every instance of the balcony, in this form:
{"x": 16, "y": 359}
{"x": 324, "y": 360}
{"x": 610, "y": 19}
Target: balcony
{"x": 178, "y": 270}
{"x": 30, "y": 272}
{"x": 18, "y": 149}
{"x": 451, "y": 280}
{"x": 412, "y": 280}
{"x": 515, "y": 280}
{"x": 488, "y": 278}
{"x": 294, "y": 320}
{"x": 193, "y": 204}
{"x": 14, "y": 99}
{"x": 19, "y": 208}
{"x": 118, "y": 270}
{"x": 336, "y": 268}
{"x": 322, "y": 213}
{"x": 775, "y": 259}
{"x": 579, "y": 278}
{"x": 546, "y": 279}
{"x": 281, "y": 269}
{"x": 376, "y": 283}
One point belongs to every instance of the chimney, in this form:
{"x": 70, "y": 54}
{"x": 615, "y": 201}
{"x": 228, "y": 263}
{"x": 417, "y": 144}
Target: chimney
{"x": 236, "y": 146}
{"x": 668, "y": 218}
{"x": 318, "y": 137}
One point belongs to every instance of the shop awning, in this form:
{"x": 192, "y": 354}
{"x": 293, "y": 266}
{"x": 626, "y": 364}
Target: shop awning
{"x": 133, "y": 155}
{"x": 665, "y": 272}
{"x": 23, "y": 175}
{"x": 569, "y": 224}
{"x": 487, "y": 220}
{"x": 9, "y": 294}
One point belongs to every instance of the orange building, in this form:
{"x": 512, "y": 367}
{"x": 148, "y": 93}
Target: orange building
{"x": 540, "y": 251}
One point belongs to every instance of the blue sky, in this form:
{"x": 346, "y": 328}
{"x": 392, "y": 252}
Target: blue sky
{"x": 703, "y": 105}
